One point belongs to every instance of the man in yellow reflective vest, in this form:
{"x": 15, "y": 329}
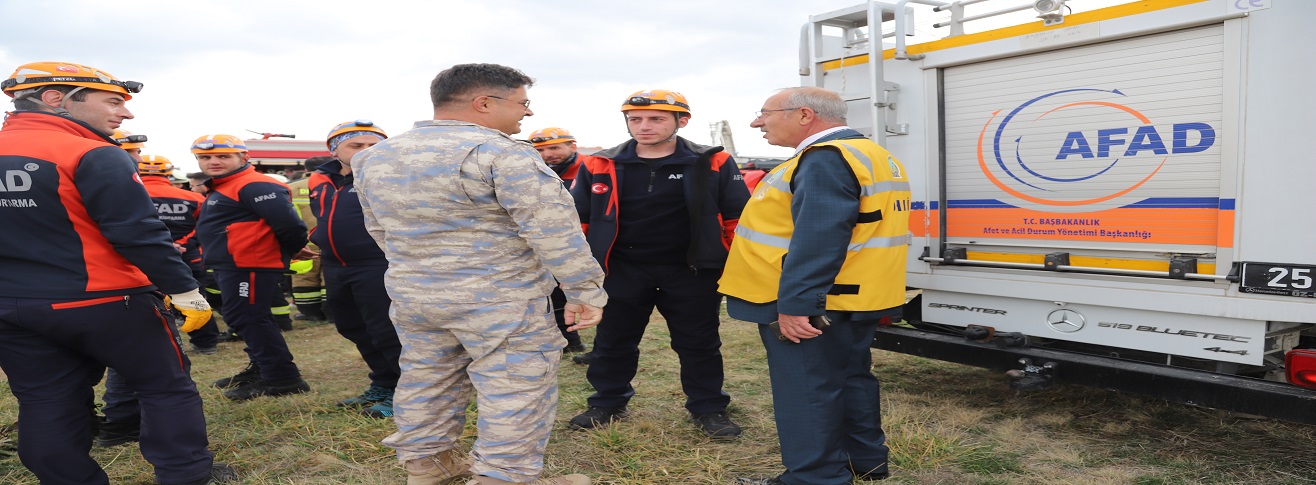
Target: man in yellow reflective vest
{"x": 819, "y": 261}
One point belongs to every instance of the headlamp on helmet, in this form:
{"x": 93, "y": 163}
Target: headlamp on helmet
{"x": 656, "y": 99}
{"x": 37, "y": 74}
{"x": 551, "y": 136}
{"x": 350, "y": 129}
{"x": 219, "y": 144}
{"x": 128, "y": 141}
{"x": 155, "y": 165}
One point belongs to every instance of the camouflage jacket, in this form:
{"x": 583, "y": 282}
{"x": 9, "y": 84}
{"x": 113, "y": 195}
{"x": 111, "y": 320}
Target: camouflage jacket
{"x": 466, "y": 214}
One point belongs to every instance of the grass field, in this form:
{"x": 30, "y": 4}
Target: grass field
{"x": 946, "y": 424}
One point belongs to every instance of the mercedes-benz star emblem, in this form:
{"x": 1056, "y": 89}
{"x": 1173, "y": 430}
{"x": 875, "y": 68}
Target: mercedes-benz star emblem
{"x": 1066, "y": 321}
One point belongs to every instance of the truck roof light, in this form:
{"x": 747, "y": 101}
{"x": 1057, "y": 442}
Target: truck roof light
{"x": 1300, "y": 367}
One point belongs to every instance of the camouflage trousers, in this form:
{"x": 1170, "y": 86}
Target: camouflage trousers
{"x": 507, "y": 352}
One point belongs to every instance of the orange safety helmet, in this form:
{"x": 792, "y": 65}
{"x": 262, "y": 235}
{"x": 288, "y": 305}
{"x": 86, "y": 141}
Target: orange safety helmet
{"x": 36, "y": 74}
{"x": 219, "y": 144}
{"x": 551, "y": 136}
{"x": 155, "y": 165}
{"x": 657, "y": 99}
{"x": 127, "y": 140}
{"x": 336, "y": 135}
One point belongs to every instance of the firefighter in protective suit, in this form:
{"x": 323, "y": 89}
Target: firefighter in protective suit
{"x": 82, "y": 243}
{"x": 308, "y": 286}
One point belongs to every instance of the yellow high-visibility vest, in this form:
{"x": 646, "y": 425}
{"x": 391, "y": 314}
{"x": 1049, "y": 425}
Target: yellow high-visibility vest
{"x": 873, "y": 274}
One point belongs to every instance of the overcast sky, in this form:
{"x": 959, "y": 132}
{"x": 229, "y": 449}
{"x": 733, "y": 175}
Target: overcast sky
{"x": 302, "y": 67}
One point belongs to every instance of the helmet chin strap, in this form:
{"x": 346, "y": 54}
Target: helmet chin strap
{"x": 61, "y": 110}
{"x": 58, "y": 110}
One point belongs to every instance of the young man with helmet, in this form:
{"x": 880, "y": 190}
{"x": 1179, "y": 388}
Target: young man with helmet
{"x": 558, "y": 149}
{"x": 249, "y": 231}
{"x": 659, "y": 213}
{"x": 82, "y": 244}
{"x": 354, "y": 267}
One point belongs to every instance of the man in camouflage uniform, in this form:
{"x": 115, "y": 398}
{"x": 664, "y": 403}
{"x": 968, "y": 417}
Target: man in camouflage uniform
{"x": 475, "y": 229}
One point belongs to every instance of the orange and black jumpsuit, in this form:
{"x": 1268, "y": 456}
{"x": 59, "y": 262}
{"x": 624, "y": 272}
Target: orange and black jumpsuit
{"x": 249, "y": 231}
{"x": 82, "y": 255}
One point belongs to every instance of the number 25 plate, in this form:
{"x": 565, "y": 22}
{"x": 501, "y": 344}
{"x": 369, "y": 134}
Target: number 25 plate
{"x": 1278, "y": 279}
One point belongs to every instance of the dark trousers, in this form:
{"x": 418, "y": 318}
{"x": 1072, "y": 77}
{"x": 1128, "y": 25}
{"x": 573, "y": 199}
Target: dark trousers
{"x": 247, "y": 296}
{"x": 359, "y": 302}
{"x": 54, "y": 351}
{"x": 559, "y": 300}
{"x": 120, "y": 400}
{"x": 689, "y": 302}
{"x": 825, "y": 399}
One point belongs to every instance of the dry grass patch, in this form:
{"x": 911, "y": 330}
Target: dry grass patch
{"x": 946, "y": 424}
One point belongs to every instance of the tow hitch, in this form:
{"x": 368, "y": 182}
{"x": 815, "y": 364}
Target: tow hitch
{"x": 1032, "y": 377}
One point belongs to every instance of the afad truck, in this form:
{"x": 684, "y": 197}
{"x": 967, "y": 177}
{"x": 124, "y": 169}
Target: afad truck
{"x": 1120, "y": 197}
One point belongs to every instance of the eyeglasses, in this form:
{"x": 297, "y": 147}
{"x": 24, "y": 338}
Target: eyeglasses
{"x": 643, "y": 101}
{"x": 762, "y": 113}
{"x": 525, "y": 103}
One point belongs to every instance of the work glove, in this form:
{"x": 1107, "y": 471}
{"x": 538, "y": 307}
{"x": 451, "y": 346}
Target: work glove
{"x": 196, "y": 310}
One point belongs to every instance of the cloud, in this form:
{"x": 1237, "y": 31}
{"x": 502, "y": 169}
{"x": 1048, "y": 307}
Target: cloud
{"x": 303, "y": 66}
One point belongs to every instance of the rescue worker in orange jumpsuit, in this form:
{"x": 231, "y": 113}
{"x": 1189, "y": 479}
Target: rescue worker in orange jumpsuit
{"x": 249, "y": 231}
{"x": 85, "y": 267}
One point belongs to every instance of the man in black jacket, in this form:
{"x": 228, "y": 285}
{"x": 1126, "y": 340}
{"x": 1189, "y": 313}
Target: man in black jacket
{"x": 659, "y": 213}
{"x": 354, "y": 266}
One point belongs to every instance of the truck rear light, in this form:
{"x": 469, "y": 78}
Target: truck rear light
{"x": 1300, "y": 366}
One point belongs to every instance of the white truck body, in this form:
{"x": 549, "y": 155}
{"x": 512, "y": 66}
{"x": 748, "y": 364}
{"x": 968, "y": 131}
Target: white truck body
{"x": 1158, "y": 151}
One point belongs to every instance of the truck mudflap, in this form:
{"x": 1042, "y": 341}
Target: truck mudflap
{"x": 1199, "y": 388}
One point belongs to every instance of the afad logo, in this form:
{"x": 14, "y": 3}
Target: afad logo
{"x": 1049, "y": 146}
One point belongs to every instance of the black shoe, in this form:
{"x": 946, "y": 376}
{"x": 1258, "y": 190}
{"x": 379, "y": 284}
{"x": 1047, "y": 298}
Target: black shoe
{"x": 571, "y": 349}
{"x": 372, "y": 395}
{"x": 229, "y": 336}
{"x": 113, "y": 433}
{"x": 878, "y": 473}
{"x": 285, "y": 325}
{"x": 597, "y": 417}
{"x": 583, "y": 359}
{"x": 204, "y": 350}
{"x": 249, "y": 375}
{"x": 219, "y": 473}
{"x": 310, "y": 317}
{"x": 267, "y": 388}
{"x": 759, "y": 481}
{"x": 716, "y": 425}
